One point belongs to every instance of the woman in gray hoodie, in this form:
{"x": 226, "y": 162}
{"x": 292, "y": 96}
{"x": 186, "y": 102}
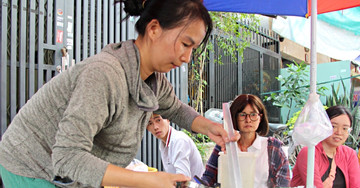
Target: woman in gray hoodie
{"x": 85, "y": 125}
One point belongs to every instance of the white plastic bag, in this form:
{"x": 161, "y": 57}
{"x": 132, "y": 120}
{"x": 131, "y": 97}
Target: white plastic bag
{"x": 313, "y": 125}
{"x": 235, "y": 178}
{"x": 137, "y": 165}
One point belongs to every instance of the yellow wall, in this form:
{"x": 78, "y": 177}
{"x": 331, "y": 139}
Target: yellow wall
{"x": 293, "y": 51}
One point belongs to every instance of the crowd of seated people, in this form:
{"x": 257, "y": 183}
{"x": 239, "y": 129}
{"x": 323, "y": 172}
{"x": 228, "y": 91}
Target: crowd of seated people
{"x": 336, "y": 165}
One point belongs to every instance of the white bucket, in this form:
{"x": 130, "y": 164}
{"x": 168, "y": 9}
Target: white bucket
{"x": 247, "y": 162}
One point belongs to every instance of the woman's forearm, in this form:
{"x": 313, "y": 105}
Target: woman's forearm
{"x": 201, "y": 125}
{"x": 117, "y": 176}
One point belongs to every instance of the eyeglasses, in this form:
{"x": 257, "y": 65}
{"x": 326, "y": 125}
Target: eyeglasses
{"x": 342, "y": 129}
{"x": 253, "y": 116}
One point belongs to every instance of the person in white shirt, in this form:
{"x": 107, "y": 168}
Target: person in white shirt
{"x": 179, "y": 154}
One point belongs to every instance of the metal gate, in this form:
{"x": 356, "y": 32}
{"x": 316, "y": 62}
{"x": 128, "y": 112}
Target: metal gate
{"x": 254, "y": 74}
{"x": 33, "y": 34}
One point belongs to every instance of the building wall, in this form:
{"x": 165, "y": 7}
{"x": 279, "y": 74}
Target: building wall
{"x": 293, "y": 51}
{"x": 327, "y": 74}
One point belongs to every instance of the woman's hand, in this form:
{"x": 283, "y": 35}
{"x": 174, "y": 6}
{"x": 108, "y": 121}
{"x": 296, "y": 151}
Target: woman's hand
{"x": 214, "y": 131}
{"x": 117, "y": 176}
{"x": 217, "y": 133}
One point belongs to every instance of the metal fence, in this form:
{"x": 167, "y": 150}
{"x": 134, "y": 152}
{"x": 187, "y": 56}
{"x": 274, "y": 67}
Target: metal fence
{"x": 32, "y": 36}
{"x": 34, "y": 32}
{"x": 254, "y": 74}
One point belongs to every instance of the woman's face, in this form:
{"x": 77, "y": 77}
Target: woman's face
{"x": 174, "y": 47}
{"x": 341, "y": 126}
{"x": 248, "y": 120}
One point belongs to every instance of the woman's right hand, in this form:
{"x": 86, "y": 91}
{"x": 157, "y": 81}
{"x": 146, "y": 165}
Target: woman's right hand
{"x": 117, "y": 176}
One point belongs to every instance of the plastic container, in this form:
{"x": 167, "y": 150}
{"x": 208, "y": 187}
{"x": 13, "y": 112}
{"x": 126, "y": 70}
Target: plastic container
{"x": 247, "y": 162}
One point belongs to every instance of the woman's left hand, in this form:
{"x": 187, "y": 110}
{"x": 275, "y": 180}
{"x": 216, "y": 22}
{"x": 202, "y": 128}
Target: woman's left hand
{"x": 215, "y": 131}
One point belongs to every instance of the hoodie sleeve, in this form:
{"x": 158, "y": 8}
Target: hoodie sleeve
{"x": 86, "y": 115}
{"x": 170, "y": 107}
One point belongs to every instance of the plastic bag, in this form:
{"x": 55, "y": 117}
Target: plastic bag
{"x": 215, "y": 115}
{"x": 313, "y": 125}
{"x": 235, "y": 178}
{"x": 137, "y": 165}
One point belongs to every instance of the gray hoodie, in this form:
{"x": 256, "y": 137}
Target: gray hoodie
{"x": 91, "y": 115}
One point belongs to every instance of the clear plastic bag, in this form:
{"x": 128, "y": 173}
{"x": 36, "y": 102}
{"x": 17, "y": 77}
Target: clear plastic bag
{"x": 234, "y": 173}
{"x": 137, "y": 165}
{"x": 313, "y": 125}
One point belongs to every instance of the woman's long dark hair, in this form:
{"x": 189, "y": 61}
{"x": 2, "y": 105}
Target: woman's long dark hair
{"x": 239, "y": 105}
{"x": 169, "y": 13}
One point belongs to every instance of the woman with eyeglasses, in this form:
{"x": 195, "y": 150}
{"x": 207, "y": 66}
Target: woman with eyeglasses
{"x": 336, "y": 165}
{"x": 249, "y": 117}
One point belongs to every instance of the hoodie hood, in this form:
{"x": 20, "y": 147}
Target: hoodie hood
{"x": 142, "y": 92}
